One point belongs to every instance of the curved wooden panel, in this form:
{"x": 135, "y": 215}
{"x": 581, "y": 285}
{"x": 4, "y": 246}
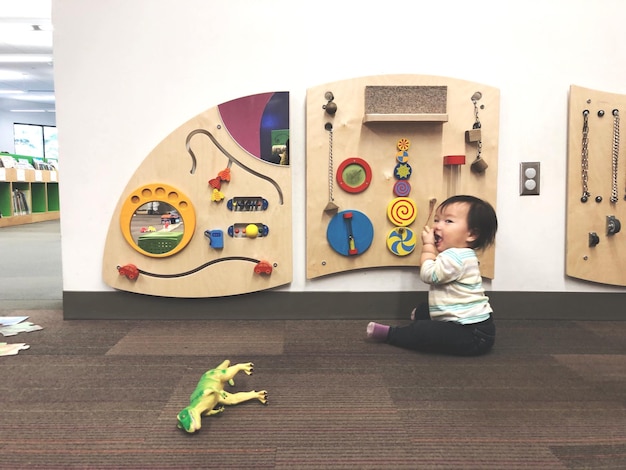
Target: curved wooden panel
{"x": 372, "y": 115}
{"x": 229, "y": 189}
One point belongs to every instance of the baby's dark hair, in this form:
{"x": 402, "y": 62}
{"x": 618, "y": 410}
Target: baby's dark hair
{"x": 481, "y": 219}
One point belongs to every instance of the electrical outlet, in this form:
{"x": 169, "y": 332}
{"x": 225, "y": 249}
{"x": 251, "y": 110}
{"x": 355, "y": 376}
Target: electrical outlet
{"x": 529, "y": 174}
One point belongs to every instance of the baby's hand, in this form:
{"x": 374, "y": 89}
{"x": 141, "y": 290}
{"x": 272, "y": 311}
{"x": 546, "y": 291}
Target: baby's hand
{"x": 428, "y": 236}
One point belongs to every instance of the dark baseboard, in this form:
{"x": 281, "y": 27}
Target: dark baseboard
{"x": 332, "y": 305}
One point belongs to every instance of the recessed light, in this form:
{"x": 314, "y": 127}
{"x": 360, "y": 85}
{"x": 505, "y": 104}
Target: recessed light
{"x": 28, "y": 110}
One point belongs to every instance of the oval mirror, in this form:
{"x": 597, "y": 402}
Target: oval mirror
{"x": 157, "y": 220}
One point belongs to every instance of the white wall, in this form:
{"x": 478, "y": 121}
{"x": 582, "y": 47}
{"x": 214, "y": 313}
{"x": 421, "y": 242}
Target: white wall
{"x": 127, "y": 73}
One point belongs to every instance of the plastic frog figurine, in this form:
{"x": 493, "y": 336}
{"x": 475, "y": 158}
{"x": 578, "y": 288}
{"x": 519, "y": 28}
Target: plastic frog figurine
{"x": 209, "y": 393}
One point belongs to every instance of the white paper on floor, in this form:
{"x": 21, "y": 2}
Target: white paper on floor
{"x": 8, "y": 321}
{"x": 23, "y": 327}
{"x": 12, "y": 349}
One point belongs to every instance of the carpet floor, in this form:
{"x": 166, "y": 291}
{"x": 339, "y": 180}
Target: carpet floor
{"x": 105, "y": 394}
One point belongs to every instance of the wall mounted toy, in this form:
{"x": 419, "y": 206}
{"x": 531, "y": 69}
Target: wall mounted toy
{"x": 479, "y": 165}
{"x": 402, "y": 211}
{"x": 402, "y": 126}
{"x": 247, "y": 204}
{"x": 130, "y": 271}
{"x": 401, "y": 241}
{"x": 596, "y": 188}
{"x": 215, "y": 238}
{"x": 402, "y": 171}
{"x": 330, "y": 107}
{"x": 402, "y": 188}
{"x": 248, "y": 230}
{"x": 330, "y": 207}
{"x": 350, "y": 233}
{"x": 212, "y": 172}
{"x": 452, "y": 164}
{"x": 209, "y": 395}
{"x": 354, "y": 175}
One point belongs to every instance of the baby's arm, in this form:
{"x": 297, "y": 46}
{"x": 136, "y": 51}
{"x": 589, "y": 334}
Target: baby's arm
{"x": 447, "y": 267}
{"x": 429, "y": 251}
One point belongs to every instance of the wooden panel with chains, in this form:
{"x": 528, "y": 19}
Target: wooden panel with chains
{"x": 596, "y": 187}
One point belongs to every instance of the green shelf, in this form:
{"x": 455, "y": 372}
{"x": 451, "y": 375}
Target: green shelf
{"x": 38, "y": 200}
{"x": 38, "y": 197}
{"x": 5, "y": 199}
{"x": 53, "y": 197}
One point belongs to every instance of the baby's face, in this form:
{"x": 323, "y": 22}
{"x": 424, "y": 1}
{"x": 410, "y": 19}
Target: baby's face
{"x": 450, "y": 227}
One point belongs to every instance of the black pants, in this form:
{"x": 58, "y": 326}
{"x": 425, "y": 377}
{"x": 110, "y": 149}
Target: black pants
{"x": 427, "y": 335}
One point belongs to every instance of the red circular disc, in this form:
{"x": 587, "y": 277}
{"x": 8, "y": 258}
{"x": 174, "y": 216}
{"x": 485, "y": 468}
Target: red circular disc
{"x": 354, "y": 175}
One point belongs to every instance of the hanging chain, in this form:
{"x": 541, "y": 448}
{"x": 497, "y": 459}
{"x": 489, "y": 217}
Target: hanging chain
{"x": 476, "y": 119}
{"x": 615, "y": 155}
{"x": 477, "y": 125}
{"x": 331, "y": 171}
{"x": 584, "y": 163}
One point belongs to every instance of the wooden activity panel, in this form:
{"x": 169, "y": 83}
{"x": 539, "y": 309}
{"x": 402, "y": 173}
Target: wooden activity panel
{"x": 596, "y": 187}
{"x": 208, "y": 212}
{"x": 381, "y": 151}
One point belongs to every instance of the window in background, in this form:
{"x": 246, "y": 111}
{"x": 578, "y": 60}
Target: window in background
{"x": 28, "y": 139}
{"x": 34, "y": 140}
{"x": 50, "y": 143}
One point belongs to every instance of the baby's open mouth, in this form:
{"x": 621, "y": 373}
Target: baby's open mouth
{"x": 437, "y": 239}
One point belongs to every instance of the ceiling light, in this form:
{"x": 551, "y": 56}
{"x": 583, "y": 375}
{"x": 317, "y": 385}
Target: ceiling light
{"x": 27, "y": 110}
{"x": 33, "y": 110}
{"x": 38, "y": 97}
{"x": 10, "y": 92}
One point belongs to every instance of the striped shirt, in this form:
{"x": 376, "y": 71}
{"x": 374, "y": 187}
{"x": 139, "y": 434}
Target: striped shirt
{"x": 456, "y": 291}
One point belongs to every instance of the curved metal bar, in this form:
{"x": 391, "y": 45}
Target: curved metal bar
{"x": 201, "y": 267}
{"x": 231, "y": 160}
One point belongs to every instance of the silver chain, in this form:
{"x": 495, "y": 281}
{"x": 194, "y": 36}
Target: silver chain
{"x": 615, "y": 155}
{"x": 331, "y": 170}
{"x": 477, "y": 125}
{"x": 476, "y": 120}
{"x": 584, "y": 163}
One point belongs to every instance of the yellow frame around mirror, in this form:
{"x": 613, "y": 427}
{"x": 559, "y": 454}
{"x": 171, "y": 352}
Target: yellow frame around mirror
{"x": 158, "y": 192}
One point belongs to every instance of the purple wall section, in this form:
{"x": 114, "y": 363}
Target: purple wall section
{"x": 242, "y": 118}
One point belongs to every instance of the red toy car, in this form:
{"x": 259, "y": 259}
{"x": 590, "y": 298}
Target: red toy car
{"x": 263, "y": 267}
{"x": 129, "y": 270}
